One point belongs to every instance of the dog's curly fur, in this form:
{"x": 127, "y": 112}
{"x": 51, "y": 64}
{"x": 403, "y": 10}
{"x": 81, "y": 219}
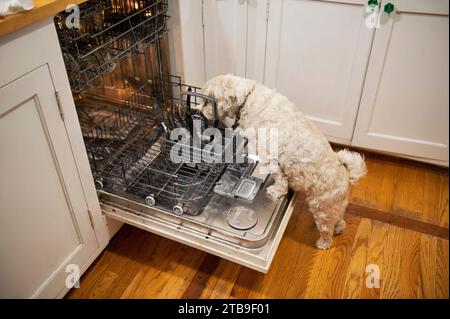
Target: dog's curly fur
{"x": 306, "y": 162}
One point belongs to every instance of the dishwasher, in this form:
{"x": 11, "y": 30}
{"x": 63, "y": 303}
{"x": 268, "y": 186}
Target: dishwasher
{"x": 127, "y": 104}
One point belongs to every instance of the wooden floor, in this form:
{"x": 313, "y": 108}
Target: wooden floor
{"x": 398, "y": 220}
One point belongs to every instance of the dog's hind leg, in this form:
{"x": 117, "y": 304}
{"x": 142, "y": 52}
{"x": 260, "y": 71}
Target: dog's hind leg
{"x": 340, "y": 225}
{"x": 326, "y": 229}
{"x": 326, "y": 213}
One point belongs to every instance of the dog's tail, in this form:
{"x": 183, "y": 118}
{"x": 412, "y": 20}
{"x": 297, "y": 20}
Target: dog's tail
{"x": 354, "y": 162}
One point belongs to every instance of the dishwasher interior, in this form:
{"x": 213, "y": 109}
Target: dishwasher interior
{"x": 128, "y": 104}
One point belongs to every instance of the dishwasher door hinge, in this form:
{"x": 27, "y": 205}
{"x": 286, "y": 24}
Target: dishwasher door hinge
{"x": 91, "y": 218}
{"x": 58, "y": 101}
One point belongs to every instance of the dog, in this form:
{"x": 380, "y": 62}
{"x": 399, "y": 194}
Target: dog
{"x": 306, "y": 162}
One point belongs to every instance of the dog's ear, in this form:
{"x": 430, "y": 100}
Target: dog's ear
{"x": 230, "y": 93}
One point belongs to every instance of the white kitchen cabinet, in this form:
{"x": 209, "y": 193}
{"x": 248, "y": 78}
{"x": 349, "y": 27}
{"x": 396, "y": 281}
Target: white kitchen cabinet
{"x": 317, "y": 53}
{"x": 235, "y": 37}
{"x": 405, "y": 103}
{"x": 225, "y": 37}
{"x": 44, "y": 218}
{"x": 50, "y": 217}
{"x": 186, "y": 43}
{"x": 258, "y": 13}
{"x": 213, "y": 37}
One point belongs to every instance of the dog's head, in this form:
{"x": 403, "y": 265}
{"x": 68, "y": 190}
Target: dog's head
{"x": 230, "y": 93}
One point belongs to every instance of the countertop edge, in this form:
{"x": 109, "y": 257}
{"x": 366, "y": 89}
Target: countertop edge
{"x": 42, "y": 10}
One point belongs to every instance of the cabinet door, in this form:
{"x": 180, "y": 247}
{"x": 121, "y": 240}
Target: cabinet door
{"x": 44, "y": 219}
{"x": 186, "y": 46}
{"x": 225, "y": 37}
{"x": 258, "y": 12}
{"x": 207, "y": 38}
{"x": 317, "y": 54}
{"x": 405, "y": 104}
{"x": 213, "y": 37}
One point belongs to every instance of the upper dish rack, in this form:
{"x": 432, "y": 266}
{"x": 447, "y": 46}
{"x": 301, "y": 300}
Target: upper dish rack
{"x": 108, "y": 31}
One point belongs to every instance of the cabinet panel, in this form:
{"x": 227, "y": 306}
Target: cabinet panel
{"x": 186, "y": 46}
{"x": 225, "y": 36}
{"x": 213, "y": 37}
{"x": 404, "y": 108}
{"x": 422, "y": 6}
{"x": 258, "y": 13}
{"x": 44, "y": 220}
{"x": 317, "y": 54}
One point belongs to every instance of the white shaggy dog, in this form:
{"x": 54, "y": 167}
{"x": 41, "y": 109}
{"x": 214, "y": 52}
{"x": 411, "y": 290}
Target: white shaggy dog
{"x": 306, "y": 162}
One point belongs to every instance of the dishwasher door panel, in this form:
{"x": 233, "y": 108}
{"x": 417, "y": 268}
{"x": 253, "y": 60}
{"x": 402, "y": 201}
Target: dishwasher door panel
{"x": 210, "y": 241}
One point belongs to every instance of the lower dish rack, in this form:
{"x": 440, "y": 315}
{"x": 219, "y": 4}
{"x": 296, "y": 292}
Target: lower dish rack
{"x": 132, "y": 156}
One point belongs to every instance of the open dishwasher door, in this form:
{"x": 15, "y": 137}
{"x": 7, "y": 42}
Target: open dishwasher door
{"x": 190, "y": 193}
{"x": 244, "y": 231}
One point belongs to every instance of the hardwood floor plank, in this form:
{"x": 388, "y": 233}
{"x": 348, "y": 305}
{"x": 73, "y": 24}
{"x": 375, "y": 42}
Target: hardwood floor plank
{"x": 376, "y": 247}
{"x": 400, "y": 221}
{"x": 438, "y": 199}
{"x": 130, "y": 291}
{"x": 221, "y": 282}
{"x": 179, "y": 279}
{"x": 442, "y": 266}
{"x": 356, "y": 272}
{"x": 155, "y": 259}
{"x": 410, "y": 285}
{"x": 169, "y": 276}
{"x": 330, "y": 267}
{"x": 147, "y": 246}
{"x": 428, "y": 266}
{"x": 202, "y": 275}
{"x": 390, "y": 270}
{"x": 302, "y": 236}
{"x": 246, "y": 281}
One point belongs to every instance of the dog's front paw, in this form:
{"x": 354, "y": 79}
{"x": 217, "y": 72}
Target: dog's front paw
{"x": 323, "y": 244}
{"x": 274, "y": 192}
